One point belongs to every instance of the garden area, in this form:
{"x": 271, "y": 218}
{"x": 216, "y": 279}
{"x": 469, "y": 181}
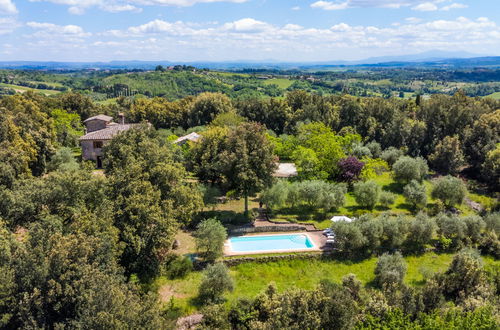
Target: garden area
{"x": 252, "y": 278}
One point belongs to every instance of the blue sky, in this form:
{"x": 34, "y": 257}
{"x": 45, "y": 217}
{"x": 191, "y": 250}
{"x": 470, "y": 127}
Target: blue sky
{"x": 221, "y": 30}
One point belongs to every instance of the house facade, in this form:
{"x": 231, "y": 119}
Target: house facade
{"x": 99, "y": 131}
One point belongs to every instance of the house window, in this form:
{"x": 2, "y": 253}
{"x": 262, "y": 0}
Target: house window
{"x": 97, "y": 144}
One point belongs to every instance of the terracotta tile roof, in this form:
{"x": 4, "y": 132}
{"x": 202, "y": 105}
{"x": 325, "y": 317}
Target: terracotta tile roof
{"x": 106, "y": 133}
{"x": 99, "y": 117}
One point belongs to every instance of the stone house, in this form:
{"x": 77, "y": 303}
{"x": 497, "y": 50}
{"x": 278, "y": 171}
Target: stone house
{"x": 99, "y": 131}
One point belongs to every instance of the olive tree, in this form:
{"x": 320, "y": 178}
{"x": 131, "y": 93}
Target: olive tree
{"x": 450, "y": 190}
{"x": 367, "y": 194}
{"x": 407, "y": 168}
{"x": 216, "y": 280}
{"x": 210, "y": 236}
{"x": 415, "y": 194}
{"x": 390, "y": 269}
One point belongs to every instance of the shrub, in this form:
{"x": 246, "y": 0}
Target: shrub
{"x": 450, "y": 190}
{"x": 375, "y": 149}
{"x": 360, "y": 151}
{"x": 415, "y": 194}
{"x": 407, "y": 169}
{"x": 179, "y": 267}
{"x": 210, "y": 236}
{"x": 216, "y": 280}
{"x": 390, "y": 269}
{"x": 474, "y": 226}
{"x": 387, "y": 199}
{"x": 367, "y": 194}
{"x": 63, "y": 160}
{"x": 492, "y": 222}
{"x": 373, "y": 168}
{"x": 391, "y": 155}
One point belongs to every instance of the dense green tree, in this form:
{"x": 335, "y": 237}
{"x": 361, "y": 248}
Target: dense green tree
{"x": 491, "y": 168}
{"x": 308, "y": 165}
{"x": 481, "y": 138}
{"x": 210, "y": 236}
{"x": 367, "y": 194}
{"x": 27, "y": 137}
{"x": 206, "y": 155}
{"x": 78, "y": 103}
{"x": 150, "y": 195}
{"x": 68, "y": 127}
{"x": 448, "y": 157}
{"x": 450, "y": 190}
{"x": 72, "y": 280}
{"x": 248, "y": 161}
{"x": 206, "y": 106}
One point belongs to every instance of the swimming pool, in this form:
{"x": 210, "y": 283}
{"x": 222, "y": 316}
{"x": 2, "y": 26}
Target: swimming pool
{"x": 270, "y": 243}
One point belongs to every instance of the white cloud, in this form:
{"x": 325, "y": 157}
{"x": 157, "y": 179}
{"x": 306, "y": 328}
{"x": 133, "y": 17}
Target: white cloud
{"x": 8, "y": 25}
{"x": 413, "y": 20}
{"x": 454, "y": 6}
{"x": 48, "y": 29}
{"x": 344, "y": 4}
{"x": 426, "y": 6}
{"x": 295, "y": 8}
{"x": 249, "y": 38}
{"x": 7, "y": 7}
{"x": 120, "y": 8}
{"x": 328, "y": 5}
{"x": 78, "y": 7}
{"x": 247, "y": 25}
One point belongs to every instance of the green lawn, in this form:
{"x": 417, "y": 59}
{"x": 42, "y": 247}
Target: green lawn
{"x": 282, "y": 83}
{"x": 251, "y": 278}
{"x": 22, "y": 89}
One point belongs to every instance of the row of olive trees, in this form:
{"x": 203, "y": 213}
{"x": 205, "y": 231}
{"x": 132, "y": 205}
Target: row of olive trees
{"x": 448, "y": 190}
{"x": 315, "y": 193}
{"x": 370, "y": 235}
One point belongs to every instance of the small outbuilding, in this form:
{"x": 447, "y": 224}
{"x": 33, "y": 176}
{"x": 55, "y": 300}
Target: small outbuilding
{"x": 193, "y": 137}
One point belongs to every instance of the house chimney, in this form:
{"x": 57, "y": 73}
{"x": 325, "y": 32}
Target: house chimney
{"x": 121, "y": 117}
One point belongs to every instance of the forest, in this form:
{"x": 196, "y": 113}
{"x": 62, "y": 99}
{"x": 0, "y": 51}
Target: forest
{"x": 87, "y": 248}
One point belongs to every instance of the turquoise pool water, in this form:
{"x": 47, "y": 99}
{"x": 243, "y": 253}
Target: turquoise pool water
{"x": 270, "y": 243}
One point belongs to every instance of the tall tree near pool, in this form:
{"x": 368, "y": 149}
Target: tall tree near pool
{"x": 150, "y": 195}
{"x": 248, "y": 160}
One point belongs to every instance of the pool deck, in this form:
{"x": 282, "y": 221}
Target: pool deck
{"x": 316, "y": 237}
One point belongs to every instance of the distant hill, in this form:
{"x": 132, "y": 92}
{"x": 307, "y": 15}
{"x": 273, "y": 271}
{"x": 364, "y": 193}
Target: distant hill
{"x": 427, "y": 59}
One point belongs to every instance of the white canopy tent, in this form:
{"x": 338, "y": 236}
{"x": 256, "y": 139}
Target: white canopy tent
{"x": 341, "y": 218}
